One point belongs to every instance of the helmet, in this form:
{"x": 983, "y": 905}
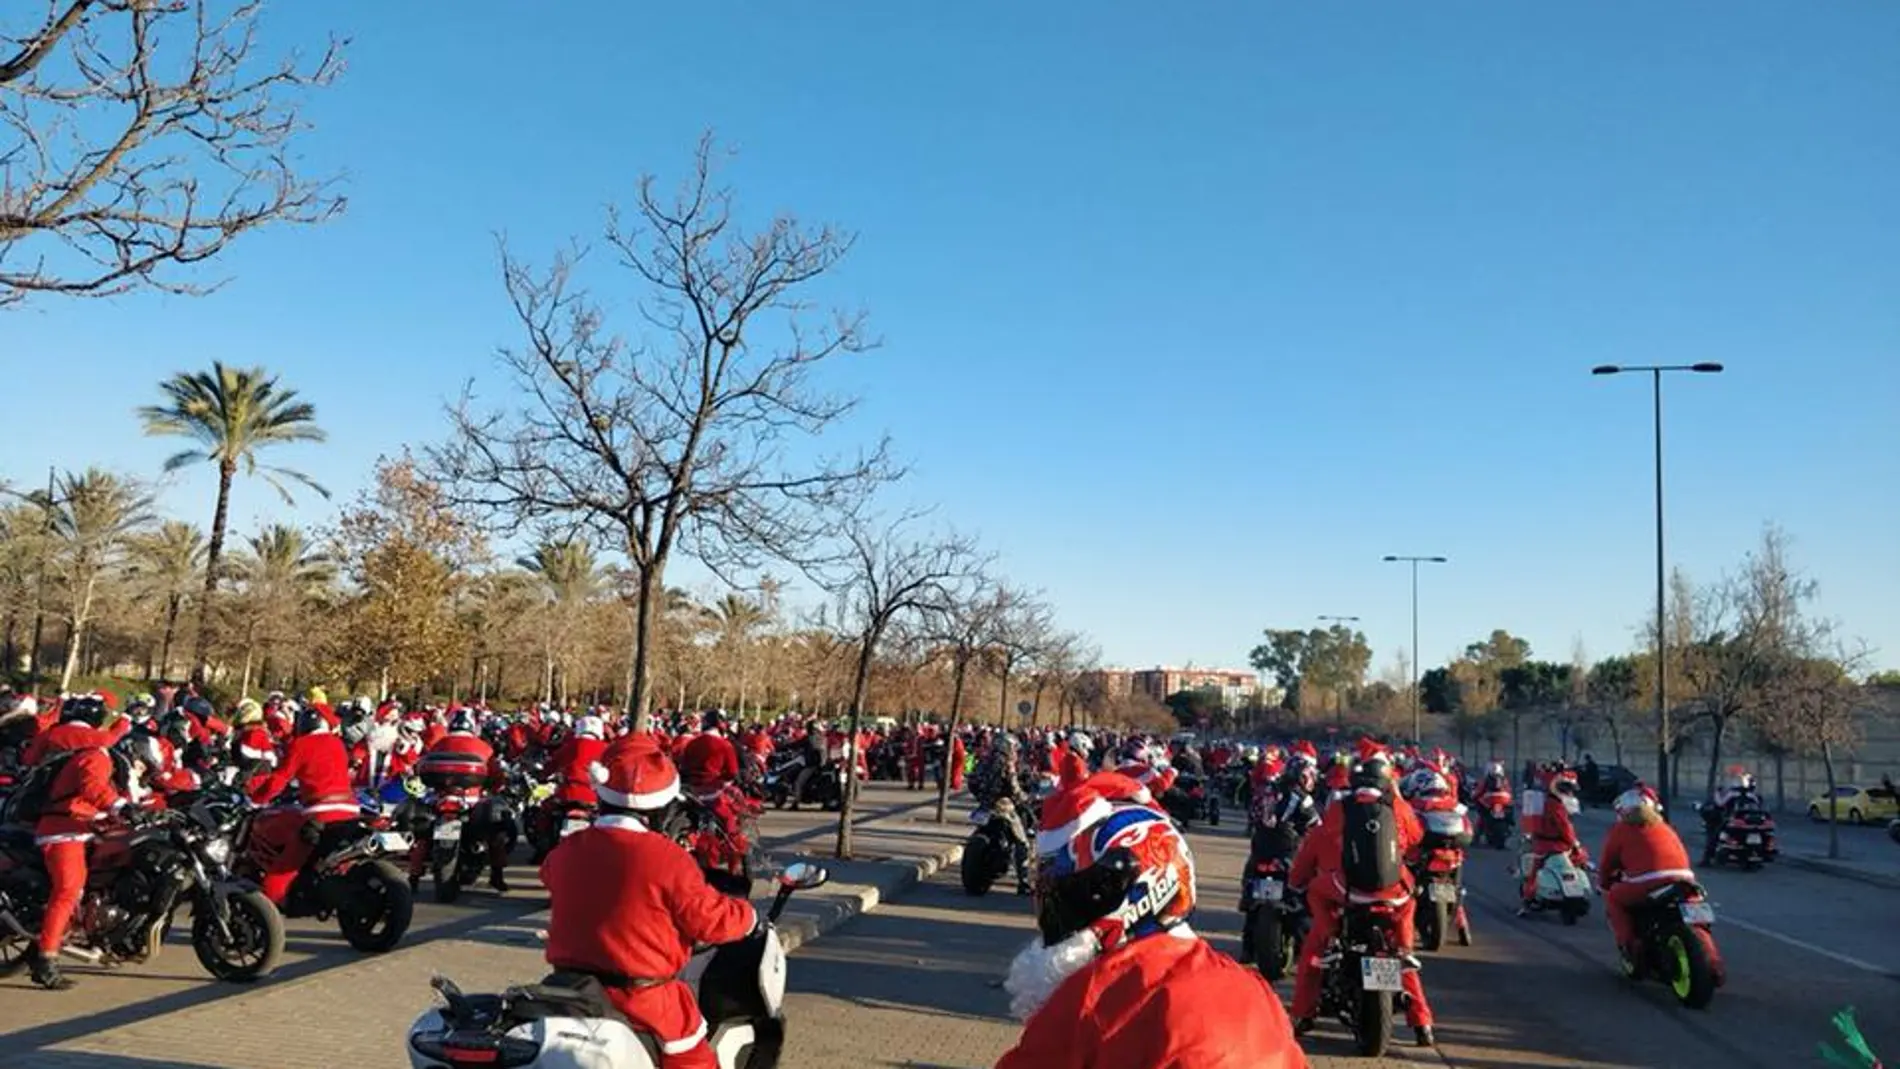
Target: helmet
{"x": 1008, "y": 744}
{"x": 1637, "y": 797}
{"x": 714, "y": 720}
{"x": 176, "y": 728}
{"x": 148, "y": 750}
{"x": 87, "y": 709}
{"x": 248, "y": 712}
{"x": 1373, "y": 772}
{"x": 1081, "y": 743}
{"x": 1119, "y": 870}
{"x": 462, "y": 722}
{"x": 1495, "y": 768}
{"x": 310, "y": 721}
{"x": 590, "y": 727}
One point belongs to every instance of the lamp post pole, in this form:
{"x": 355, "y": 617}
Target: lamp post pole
{"x": 1664, "y": 781}
{"x": 1418, "y": 731}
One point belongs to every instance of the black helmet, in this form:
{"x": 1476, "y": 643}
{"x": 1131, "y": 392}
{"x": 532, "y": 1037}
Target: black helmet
{"x": 87, "y": 709}
{"x": 714, "y": 720}
{"x": 309, "y": 721}
{"x": 1374, "y": 772}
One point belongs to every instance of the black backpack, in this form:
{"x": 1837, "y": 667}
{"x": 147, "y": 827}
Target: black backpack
{"x": 28, "y": 800}
{"x": 1370, "y": 838}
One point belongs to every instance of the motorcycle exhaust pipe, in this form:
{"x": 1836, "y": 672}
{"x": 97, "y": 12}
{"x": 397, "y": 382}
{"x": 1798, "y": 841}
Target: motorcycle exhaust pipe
{"x": 85, "y": 954}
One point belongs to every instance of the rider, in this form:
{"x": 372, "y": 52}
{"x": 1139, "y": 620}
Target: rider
{"x": 81, "y": 793}
{"x": 1551, "y": 830}
{"x": 1072, "y": 766}
{"x": 997, "y": 779}
{"x": 1320, "y": 870}
{"x": 573, "y": 762}
{"x": 1641, "y": 853}
{"x": 317, "y": 763}
{"x": 1117, "y": 979}
{"x": 709, "y": 762}
{"x": 1739, "y": 794}
{"x": 461, "y": 738}
{"x": 627, "y": 905}
{"x": 1285, "y": 813}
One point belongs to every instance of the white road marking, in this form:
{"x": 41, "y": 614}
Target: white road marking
{"x": 1770, "y": 933}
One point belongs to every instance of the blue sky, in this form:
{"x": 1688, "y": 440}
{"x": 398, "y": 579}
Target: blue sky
{"x": 1192, "y": 312}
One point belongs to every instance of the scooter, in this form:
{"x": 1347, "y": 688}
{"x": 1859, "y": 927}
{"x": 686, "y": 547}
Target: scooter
{"x": 1563, "y": 887}
{"x": 566, "y": 1023}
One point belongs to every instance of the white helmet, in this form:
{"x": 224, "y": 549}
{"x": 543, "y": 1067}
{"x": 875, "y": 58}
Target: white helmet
{"x": 1081, "y": 743}
{"x": 590, "y": 727}
{"x": 1633, "y": 799}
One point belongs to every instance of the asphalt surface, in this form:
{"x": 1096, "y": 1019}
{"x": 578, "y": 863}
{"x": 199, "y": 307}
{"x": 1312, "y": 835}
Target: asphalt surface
{"x": 914, "y": 983}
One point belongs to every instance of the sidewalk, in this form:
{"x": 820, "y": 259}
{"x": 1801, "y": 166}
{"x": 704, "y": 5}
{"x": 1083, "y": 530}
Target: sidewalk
{"x": 357, "y": 1015}
{"x": 1867, "y": 854}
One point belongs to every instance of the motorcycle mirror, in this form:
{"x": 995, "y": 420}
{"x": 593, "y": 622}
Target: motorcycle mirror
{"x": 803, "y": 876}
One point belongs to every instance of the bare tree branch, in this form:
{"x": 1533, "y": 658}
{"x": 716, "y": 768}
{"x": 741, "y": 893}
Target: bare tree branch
{"x": 154, "y": 139}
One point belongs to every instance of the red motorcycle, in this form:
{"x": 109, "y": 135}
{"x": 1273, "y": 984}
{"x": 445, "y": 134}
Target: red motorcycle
{"x": 1495, "y": 818}
{"x": 1438, "y": 873}
{"x": 1746, "y": 838}
{"x": 719, "y": 829}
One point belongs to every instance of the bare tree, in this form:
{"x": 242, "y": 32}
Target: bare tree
{"x": 1020, "y": 628}
{"x": 961, "y": 627}
{"x": 885, "y": 573}
{"x": 697, "y": 440}
{"x": 147, "y": 134}
{"x": 1813, "y": 710}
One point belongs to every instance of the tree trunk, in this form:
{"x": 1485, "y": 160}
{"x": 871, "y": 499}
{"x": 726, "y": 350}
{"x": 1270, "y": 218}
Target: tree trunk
{"x": 75, "y": 633}
{"x": 858, "y": 687}
{"x": 1715, "y": 754}
{"x": 950, "y": 739}
{"x": 172, "y": 605}
{"x": 214, "y": 552}
{"x": 11, "y": 654}
{"x": 639, "y": 694}
{"x": 1833, "y": 803}
{"x": 1781, "y": 793}
{"x": 244, "y": 688}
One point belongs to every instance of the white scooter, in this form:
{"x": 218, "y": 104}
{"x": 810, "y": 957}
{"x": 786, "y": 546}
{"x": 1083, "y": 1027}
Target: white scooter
{"x": 1563, "y": 887}
{"x": 570, "y": 1026}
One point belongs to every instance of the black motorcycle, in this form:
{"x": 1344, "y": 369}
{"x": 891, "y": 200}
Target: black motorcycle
{"x": 1673, "y": 929}
{"x": 139, "y": 874}
{"x": 1189, "y": 800}
{"x": 990, "y": 851}
{"x": 1276, "y": 919}
{"x": 1364, "y": 976}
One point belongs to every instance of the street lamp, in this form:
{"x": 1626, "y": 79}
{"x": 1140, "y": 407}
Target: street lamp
{"x": 1663, "y": 779}
{"x": 1339, "y": 700}
{"x": 1418, "y": 734}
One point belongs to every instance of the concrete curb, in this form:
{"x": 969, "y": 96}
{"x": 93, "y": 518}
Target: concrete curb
{"x": 823, "y": 914}
{"x": 1842, "y": 870}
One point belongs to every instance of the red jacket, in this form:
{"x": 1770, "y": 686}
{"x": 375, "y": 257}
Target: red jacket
{"x": 1639, "y": 854}
{"x": 1071, "y": 768}
{"x": 254, "y": 743}
{"x": 625, "y": 900}
{"x": 81, "y": 793}
{"x": 320, "y": 767}
{"x": 1322, "y": 852}
{"x": 72, "y": 735}
{"x": 1159, "y": 1003}
{"x": 573, "y": 764}
{"x": 1552, "y": 832}
{"x": 708, "y": 762}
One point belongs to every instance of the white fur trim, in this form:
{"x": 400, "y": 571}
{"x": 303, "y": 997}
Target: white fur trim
{"x": 597, "y": 772}
{"x": 1049, "y": 842}
{"x": 681, "y": 1046}
{"x": 620, "y": 821}
{"x": 1037, "y": 971}
{"x": 652, "y": 800}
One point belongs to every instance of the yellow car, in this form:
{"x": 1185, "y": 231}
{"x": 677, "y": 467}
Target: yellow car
{"x": 1856, "y": 805}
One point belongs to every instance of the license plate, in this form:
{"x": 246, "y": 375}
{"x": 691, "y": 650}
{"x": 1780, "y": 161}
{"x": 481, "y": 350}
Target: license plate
{"x": 1573, "y": 883}
{"x": 448, "y": 831}
{"x": 1380, "y": 974}
{"x": 1268, "y": 889}
{"x": 1754, "y": 840}
{"x": 1444, "y": 892}
{"x": 572, "y": 825}
{"x": 1698, "y": 913}
{"x": 392, "y": 842}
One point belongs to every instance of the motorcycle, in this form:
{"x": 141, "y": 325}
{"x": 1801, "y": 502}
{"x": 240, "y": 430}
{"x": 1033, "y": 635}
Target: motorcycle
{"x": 462, "y": 826}
{"x": 1677, "y": 948}
{"x": 551, "y": 819}
{"x": 720, "y": 829}
{"x": 1189, "y": 800}
{"x": 1276, "y": 921}
{"x": 1563, "y": 887}
{"x": 565, "y": 1021}
{"x": 347, "y": 876}
{"x": 990, "y": 851}
{"x": 1364, "y": 974}
{"x": 1438, "y": 879}
{"x": 823, "y": 788}
{"x": 1745, "y": 838}
{"x": 138, "y": 874}
{"x": 1496, "y": 818}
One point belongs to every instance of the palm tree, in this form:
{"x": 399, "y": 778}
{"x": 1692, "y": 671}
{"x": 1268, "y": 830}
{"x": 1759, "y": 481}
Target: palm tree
{"x": 95, "y": 516}
{"x": 231, "y": 413}
{"x": 570, "y": 577}
{"x": 167, "y": 565}
{"x": 737, "y": 617}
{"x": 282, "y": 575}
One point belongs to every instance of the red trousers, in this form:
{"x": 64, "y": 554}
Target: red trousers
{"x": 1326, "y": 901}
{"x": 66, "y": 870}
{"x": 669, "y": 1013}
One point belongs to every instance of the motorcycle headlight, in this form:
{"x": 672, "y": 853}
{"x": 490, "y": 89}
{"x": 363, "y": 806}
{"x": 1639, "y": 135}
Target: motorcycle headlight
{"x": 218, "y": 850}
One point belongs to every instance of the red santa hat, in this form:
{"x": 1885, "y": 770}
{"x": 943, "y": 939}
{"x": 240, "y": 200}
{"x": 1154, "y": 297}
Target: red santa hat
{"x": 1069, "y": 813}
{"x": 1369, "y": 748}
{"x": 635, "y": 774}
{"x": 1307, "y": 750}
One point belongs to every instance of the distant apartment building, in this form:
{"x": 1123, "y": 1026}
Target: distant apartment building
{"x": 1160, "y": 682}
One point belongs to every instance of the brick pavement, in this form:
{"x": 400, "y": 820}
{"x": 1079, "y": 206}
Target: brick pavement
{"x": 294, "y": 1023}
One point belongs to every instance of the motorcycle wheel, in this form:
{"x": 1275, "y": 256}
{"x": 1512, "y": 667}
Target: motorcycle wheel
{"x": 975, "y": 866}
{"x": 447, "y": 887}
{"x": 1269, "y": 944}
{"x": 1572, "y": 909}
{"x": 1692, "y": 974}
{"x": 376, "y": 913}
{"x": 1432, "y": 923}
{"x": 1372, "y": 1025}
{"x": 257, "y": 939}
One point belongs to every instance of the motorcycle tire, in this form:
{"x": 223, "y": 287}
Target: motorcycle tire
{"x": 975, "y": 868}
{"x": 256, "y": 923}
{"x": 1372, "y": 1025}
{"x": 1692, "y": 975}
{"x": 447, "y": 887}
{"x": 1269, "y": 945}
{"x": 1433, "y": 921}
{"x": 377, "y": 912}
{"x": 1572, "y": 909}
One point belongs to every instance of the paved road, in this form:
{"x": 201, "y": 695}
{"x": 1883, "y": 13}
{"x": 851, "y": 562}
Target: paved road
{"x": 911, "y": 984}
{"x": 321, "y": 983}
